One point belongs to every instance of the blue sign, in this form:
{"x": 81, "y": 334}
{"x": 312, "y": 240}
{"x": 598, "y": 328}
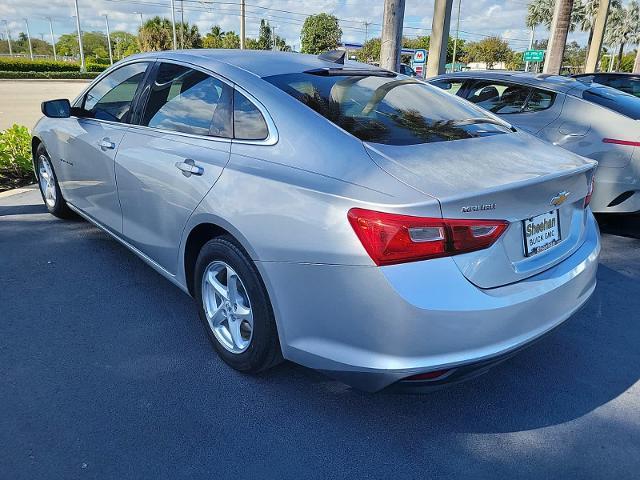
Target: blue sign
{"x": 420, "y": 56}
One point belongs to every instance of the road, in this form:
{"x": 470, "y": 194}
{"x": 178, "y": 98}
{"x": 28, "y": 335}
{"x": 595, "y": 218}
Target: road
{"x": 20, "y": 99}
{"x": 106, "y": 372}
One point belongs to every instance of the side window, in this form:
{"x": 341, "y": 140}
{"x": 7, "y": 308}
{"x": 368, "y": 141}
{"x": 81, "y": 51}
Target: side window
{"x": 111, "y": 98}
{"x": 539, "y": 100}
{"x": 498, "y": 97}
{"x": 189, "y": 101}
{"x": 451, "y": 86}
{"x": 248, "y": 122}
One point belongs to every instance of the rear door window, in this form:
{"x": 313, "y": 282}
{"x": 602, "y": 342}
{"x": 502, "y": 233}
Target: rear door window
{"x": 248, "y": 122}
{"x": 189, "y": 101}
{"x": 498, "y": 97}
{"x": 539, "y": 100}
{"x": 618, "y": 101}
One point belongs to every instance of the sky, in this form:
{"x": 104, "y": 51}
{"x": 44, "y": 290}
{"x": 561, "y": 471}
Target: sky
{"x": 478, "y": 18}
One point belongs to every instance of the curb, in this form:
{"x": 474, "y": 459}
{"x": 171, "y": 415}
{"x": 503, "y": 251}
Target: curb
{"x": 17, "y": 191}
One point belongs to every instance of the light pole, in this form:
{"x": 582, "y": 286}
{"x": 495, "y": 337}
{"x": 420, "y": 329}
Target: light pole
{"x": 83, "y": 67}
{"x": 242, "y": 32}
{"x": 53, "y": 39}
{"x": 455, "y": 41}
{"x": 106, "y": 21}
{"x": 6, "y": 26}
{"x": 173, "y": 23}
{"x": 26, "y": 22}
{"x": 141, "y": 22}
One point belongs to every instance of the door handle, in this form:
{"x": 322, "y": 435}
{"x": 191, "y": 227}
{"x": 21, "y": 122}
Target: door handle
{"x": 189, "y": 167}
{"x": 106, "y": 144}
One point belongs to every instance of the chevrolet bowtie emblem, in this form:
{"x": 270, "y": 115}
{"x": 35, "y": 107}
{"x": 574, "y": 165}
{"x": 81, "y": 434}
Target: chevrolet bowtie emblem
{"x": 560, "y": 198}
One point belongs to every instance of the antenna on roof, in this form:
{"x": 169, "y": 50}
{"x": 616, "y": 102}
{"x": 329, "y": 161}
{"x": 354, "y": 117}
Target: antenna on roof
{"x": 333, "y": 56}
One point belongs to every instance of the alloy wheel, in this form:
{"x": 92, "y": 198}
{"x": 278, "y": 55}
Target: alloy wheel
{"x": 47, "y": 181}
{"x": 227, "y": 307}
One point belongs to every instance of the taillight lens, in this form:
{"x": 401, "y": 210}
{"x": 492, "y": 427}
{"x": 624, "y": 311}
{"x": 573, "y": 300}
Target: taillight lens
{"x": 587, "y": 199}
{"x": 390, "y": 238}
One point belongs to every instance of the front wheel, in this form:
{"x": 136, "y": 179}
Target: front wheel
{"x": 49, "y": 188}
{"x": 235, "y": 308}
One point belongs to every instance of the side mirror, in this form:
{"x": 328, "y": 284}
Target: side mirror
{"x": 60, "y": 108}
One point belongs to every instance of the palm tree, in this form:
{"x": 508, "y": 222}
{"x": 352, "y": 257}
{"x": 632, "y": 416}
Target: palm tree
{"x": 623, "y": 27}
{"x": 189, "y": 35}
{"x": 156, "y": 34}
{"x": 589, "y": 14}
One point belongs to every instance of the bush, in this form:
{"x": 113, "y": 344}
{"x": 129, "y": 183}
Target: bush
{"x": 48, "y": 75}
{"x": 15, "y": 157}
{"x": 48, "y": 66}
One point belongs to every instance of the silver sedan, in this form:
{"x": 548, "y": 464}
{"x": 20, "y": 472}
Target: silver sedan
{"x": 592, "y": 120}
{"x": 338, "y": 215}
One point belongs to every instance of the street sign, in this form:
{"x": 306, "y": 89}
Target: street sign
{"x": 533, "y": 56}
{"x": 419, "y": 70}
{"x": 420, "y": 56}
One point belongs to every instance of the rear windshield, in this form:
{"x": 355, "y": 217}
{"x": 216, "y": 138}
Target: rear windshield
{"x": 616, "y": 100}
{"x": 388, "y": 110}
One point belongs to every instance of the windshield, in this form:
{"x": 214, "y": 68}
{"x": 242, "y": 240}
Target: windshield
{"x": 392, "y": 111}
{"x": 616, "y": 100}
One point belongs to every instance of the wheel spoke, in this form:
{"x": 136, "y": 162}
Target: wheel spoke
{"x": 234, "y": 330}
{"x": 243, "y": 313}
{"x": 217, "y": 317}
{"x": 232, "y": 285}
{"x": 217, "y": 286}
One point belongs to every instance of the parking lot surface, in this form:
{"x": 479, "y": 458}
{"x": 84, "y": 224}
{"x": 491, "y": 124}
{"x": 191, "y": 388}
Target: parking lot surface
{"x": 20, "y": 99}
{"x": 106, "y": 372}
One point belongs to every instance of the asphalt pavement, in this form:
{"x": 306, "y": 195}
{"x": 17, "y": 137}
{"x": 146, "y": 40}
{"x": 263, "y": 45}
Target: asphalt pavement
{"x": 106, "y": 372}
{"x": 20, "y": 99}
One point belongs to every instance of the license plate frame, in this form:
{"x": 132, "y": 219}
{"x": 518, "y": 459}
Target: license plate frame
{"x": 543, "y": 239}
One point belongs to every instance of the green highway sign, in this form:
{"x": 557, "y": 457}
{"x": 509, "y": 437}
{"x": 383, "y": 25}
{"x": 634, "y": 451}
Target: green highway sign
{"x": 533, "y": 56}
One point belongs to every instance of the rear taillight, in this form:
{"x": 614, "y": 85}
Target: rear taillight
{"x": 389, "y": 238}
{"x": 587, "y": 199}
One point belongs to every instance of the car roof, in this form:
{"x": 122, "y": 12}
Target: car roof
{"x": 261, "y": 63}
{"x": 556, "y": 83}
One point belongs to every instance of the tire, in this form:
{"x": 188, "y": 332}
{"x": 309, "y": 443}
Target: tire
{"x": 48, "y": 184}
{"x": 251, "y": 349}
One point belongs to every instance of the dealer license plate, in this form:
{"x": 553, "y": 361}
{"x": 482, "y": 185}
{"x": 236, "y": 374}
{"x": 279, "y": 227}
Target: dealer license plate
{"x": 541, "y": 233}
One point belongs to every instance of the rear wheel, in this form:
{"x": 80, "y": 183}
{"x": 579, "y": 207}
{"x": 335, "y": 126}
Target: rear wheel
{"x": 49, "y": 188}
{"x": 235, "y": 308}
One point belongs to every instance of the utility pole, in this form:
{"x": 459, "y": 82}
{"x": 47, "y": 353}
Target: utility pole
{"x": 558, "y": 36}
{"x": 598, "y": 34}
{"x": 141, "y": 21}
{"x": 437, "y": 57}
{"x": 53, "y": 38}
{"x": 455, "y": 41}
{"x": 26, "y": 22}
{"x": 533, "y": 32}
{"x": 6, "y": 26}
{"x": 181, "y": 24}
{"x": 83, "y": 67}
{"x": 366, "y": 31}
{"x": 242, "y": 32}
{"x": 392, "y": 34}
{"x": 173, "y": 23}
{"x": 106, "y": 21}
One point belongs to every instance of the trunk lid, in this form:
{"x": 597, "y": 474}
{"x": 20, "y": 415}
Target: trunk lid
{"x": 511, "y": 177}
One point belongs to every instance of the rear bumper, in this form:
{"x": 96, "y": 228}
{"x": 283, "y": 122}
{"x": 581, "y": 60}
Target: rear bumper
{"x": 371, "y": 327}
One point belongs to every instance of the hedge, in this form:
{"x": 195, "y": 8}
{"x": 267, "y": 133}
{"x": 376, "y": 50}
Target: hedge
{"x": 48, "y": 75}
{"x": 26, "y": 65}
{"x": 15, "y": 158}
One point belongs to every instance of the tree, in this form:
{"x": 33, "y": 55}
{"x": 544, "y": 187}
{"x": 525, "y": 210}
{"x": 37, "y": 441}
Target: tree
{"x": 490, "y": 50}
{"x": 156, "y": 34}
{"x": 94, "y": 45}
{"x": 124, "y": 44}
{"x": 320, "y": 33}
{"x": 623, "y": 26}
{"x": 264, "y": 35}
{"x": 370, "y": 51}
{"x": 188, "y": 35}
{"x": 217, "y": 38}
